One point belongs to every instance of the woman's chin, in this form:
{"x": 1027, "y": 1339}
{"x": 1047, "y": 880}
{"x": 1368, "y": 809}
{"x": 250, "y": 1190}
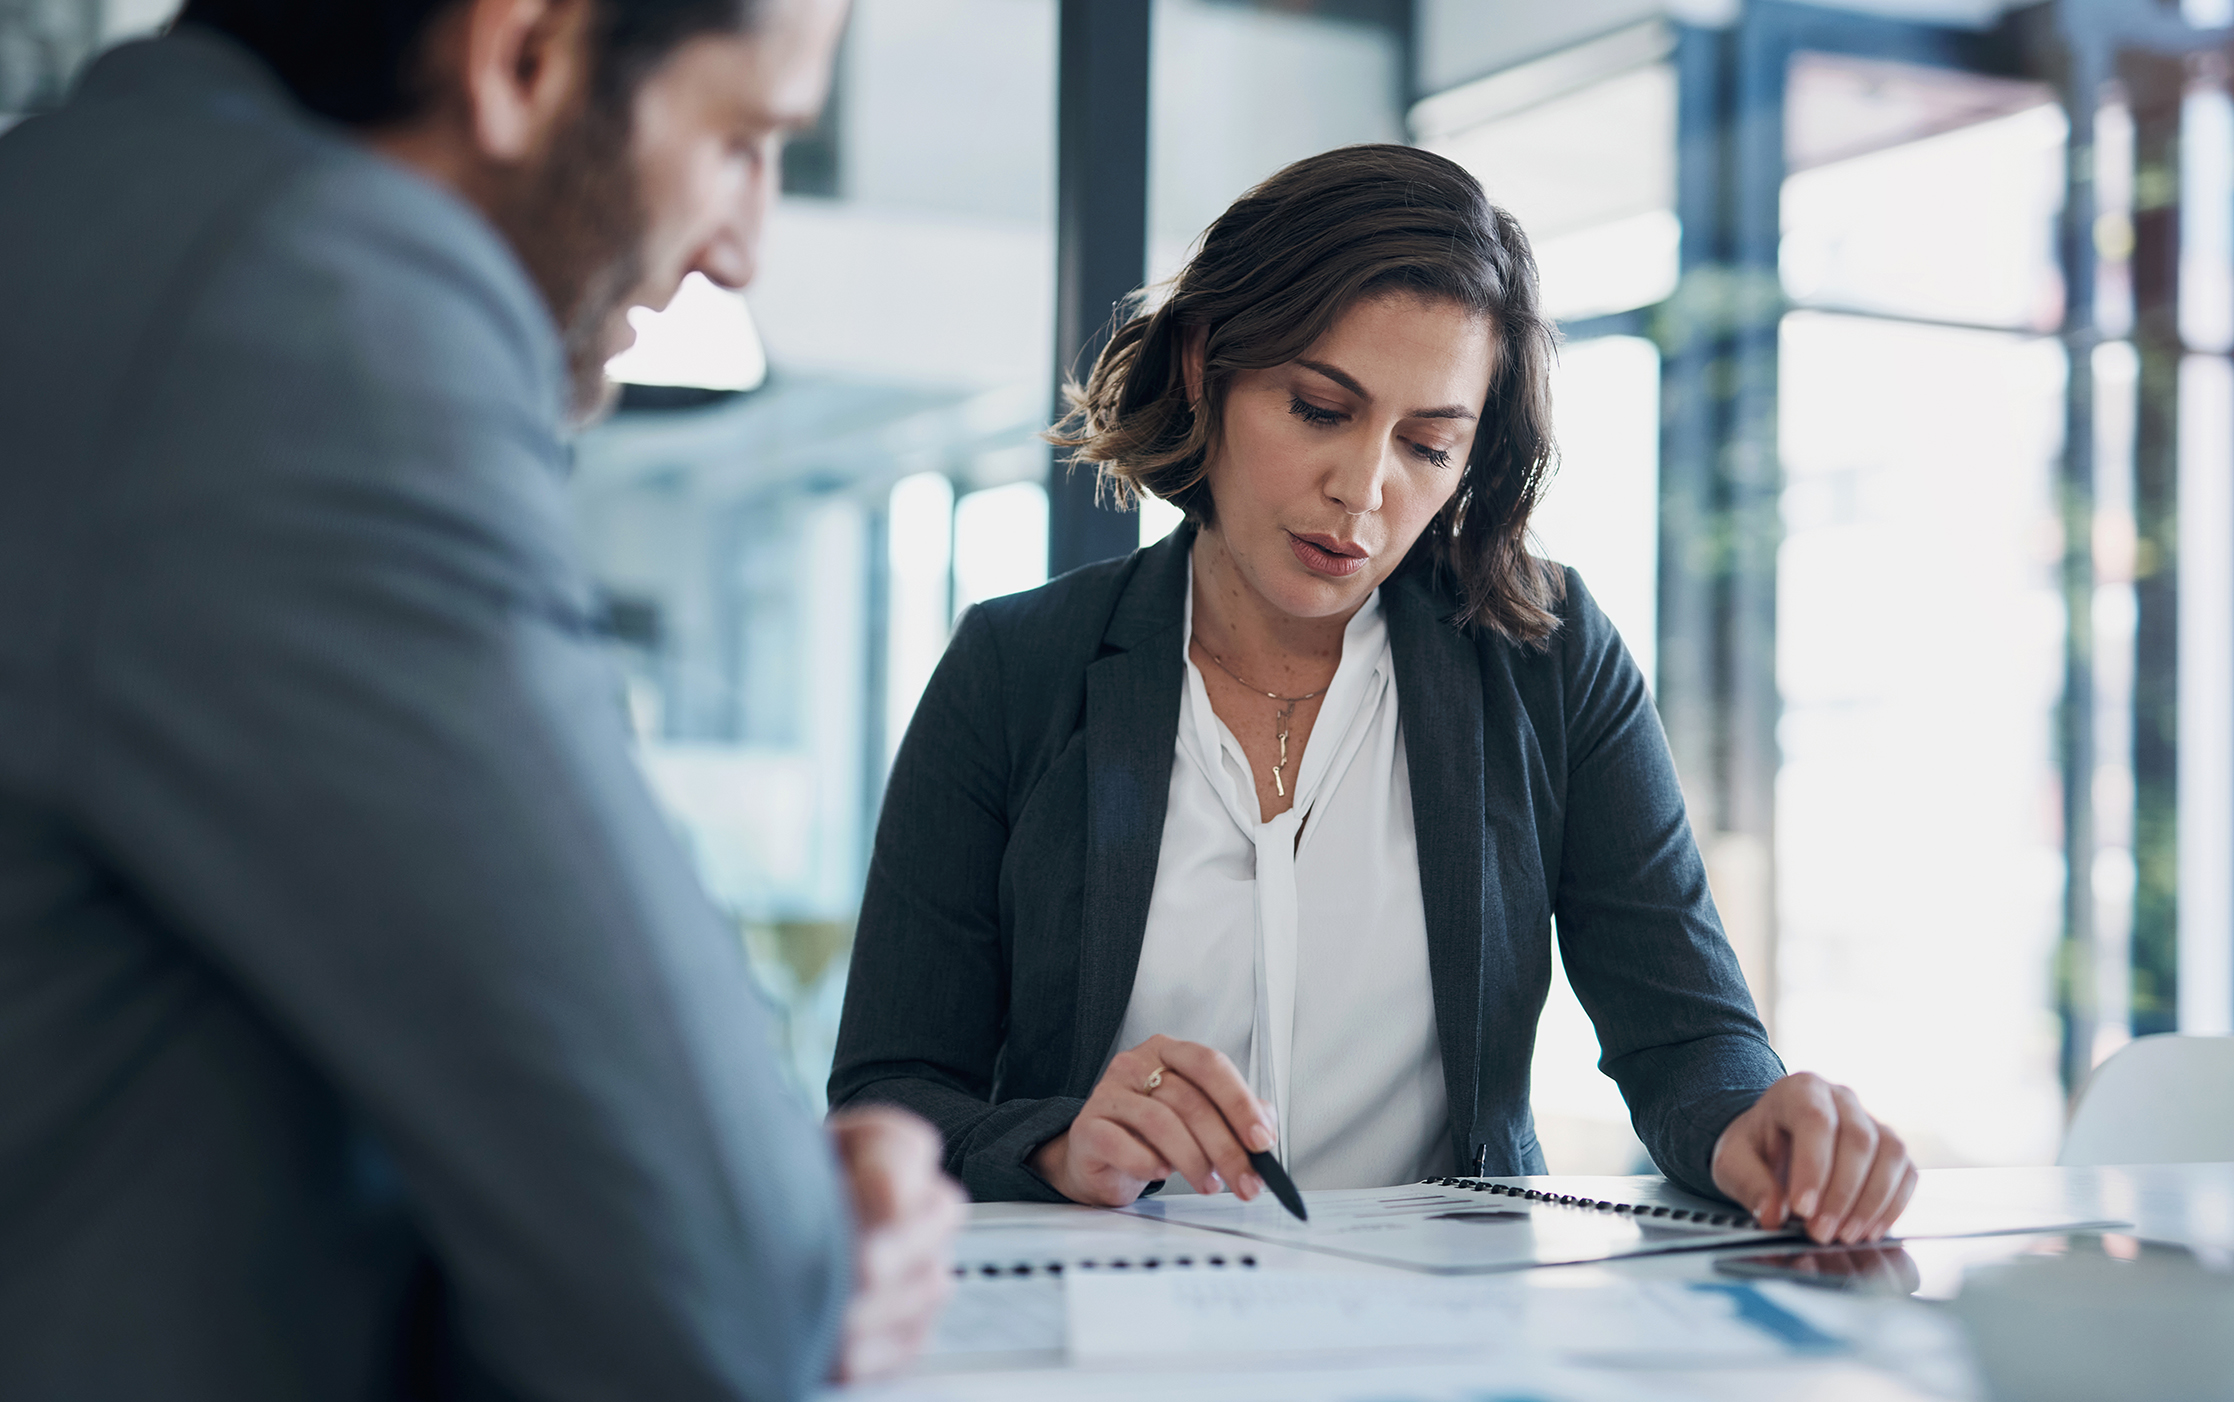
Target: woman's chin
{"x": 1301, "y": 592}
{"x": 1278, "y": 575}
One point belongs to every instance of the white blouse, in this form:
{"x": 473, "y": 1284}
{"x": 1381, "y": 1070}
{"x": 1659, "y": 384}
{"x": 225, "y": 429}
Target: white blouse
{"x": 1304, "y": 958}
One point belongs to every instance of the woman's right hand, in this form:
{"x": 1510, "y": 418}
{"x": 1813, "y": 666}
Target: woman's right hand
{"x": 1196, "y": 1121}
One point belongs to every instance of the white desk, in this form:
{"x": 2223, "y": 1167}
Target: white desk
{"x": 1910, "y": 1350}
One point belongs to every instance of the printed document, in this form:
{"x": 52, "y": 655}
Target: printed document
{"x": 1447, "y": 1230}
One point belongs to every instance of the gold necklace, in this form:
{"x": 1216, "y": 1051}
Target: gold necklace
{"x": 1287, "y": 710}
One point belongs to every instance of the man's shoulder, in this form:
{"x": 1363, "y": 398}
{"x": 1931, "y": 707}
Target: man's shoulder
{"x": 181, "y": 190}
{"x": 361, "y": 260}
{"x": 408, "y": 292}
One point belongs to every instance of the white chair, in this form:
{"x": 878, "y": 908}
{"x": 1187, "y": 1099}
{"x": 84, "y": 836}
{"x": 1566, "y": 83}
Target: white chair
{"x": 2166, "y": 1099}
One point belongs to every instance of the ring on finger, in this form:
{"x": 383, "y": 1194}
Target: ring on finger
{"x": 1155, "y": 1079}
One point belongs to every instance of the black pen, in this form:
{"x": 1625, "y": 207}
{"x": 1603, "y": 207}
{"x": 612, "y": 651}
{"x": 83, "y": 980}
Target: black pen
{"x": 1276, "y": 1178}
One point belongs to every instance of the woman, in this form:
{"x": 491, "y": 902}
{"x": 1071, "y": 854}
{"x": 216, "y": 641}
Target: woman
{"x": 1254, "y": 840}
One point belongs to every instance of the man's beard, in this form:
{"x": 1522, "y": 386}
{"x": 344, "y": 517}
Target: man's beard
{"x": 576, "y": 220}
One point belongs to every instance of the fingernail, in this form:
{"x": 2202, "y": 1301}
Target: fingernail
{"x": 1251, "y": 1185}
{"x": 1216, "y": 1184}
{"x": 1260, "y": 1139}
{"x": 1804, "y": 1204}
{"x": 1761, "y": 1213}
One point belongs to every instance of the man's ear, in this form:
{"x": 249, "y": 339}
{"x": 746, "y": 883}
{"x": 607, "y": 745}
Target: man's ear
{"x": 524, "y": 63}
{"x": 1193, "y": 343}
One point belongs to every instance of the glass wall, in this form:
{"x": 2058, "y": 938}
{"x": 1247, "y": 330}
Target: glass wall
{"x": 1580, "y": 147}
{"x": 1992, "y": 825}
{"x": 1919, "y": 636}
{"x": 1240, "y": 90}
{"x": 2203, "y": 852}
{"x": 1919, "y": 655}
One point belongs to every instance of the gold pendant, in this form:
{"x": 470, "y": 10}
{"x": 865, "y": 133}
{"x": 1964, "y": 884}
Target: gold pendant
{"x": 1278, "y": 787}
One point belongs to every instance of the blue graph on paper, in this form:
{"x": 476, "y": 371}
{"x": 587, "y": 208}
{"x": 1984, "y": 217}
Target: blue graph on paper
{"x": 1771, "y": 1318}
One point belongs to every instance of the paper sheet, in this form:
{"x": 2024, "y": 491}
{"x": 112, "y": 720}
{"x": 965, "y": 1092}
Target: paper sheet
{"x": 1446, "y": 1230}
{"x": 1936, "y": 1212}
{"x": 1457, "y": 1231}
{"x": 1505, "y": 1380}
{"x": 1007, "y": 1307}
{"x": 1133, "y": 1318}
{"x": 1141, "y": 1319}
{"x": 1001, "y": 1322}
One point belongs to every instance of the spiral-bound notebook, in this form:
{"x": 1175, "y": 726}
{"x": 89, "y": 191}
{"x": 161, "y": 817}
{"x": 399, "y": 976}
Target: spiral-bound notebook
{"x": 1459, "y": 1226}
{"x": 1465, "y": 1225}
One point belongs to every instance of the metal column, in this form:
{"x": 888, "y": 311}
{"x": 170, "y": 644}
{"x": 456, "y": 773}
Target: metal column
{"x": 2155, "y": 86}
{"x": 2081, "y": 87}
{"x": 1101, "y": 237}
{"x": 1719, "y": 475}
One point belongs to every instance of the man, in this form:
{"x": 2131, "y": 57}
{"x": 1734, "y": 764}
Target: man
{"x": 362, "y": 1032}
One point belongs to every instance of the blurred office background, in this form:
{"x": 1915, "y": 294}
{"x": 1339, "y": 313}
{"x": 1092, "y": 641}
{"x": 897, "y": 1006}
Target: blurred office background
{"x": 1898, "y": 426}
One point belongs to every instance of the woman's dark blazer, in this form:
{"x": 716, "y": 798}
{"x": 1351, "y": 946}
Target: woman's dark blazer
{"x": 1008, "y": 889}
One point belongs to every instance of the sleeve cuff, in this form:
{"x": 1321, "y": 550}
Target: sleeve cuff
{"x": 1692, "y": 1166}
{"x": 998, "y": 1169}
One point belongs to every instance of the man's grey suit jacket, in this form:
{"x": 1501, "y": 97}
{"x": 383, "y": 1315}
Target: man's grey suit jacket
{"x": 362, "y": 1031}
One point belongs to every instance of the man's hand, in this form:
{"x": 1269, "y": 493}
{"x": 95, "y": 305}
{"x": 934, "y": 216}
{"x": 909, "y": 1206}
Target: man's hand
{"x": 1808, "y": 1149}
{"x": 905, "y": 1214}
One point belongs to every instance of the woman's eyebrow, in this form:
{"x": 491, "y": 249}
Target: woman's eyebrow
{"x": 1349, "y": 382}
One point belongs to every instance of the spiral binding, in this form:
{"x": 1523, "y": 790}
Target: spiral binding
{"x": 1184, "y": 1260}
{"x": 1638, "y": 1209}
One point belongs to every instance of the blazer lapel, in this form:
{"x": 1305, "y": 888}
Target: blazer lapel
{"x": 1132, "y": 730}
{"x": 1439, "y": 698}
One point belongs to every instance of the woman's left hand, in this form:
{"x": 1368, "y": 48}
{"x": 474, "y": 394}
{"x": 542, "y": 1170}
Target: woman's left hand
{"x": 1808, "y": 1149}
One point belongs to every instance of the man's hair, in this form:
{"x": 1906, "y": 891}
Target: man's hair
{"x": 1274, "y": 274}
{"x": 361, "y": 62}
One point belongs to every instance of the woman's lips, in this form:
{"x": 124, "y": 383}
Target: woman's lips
{"x": 1328, "y": 556}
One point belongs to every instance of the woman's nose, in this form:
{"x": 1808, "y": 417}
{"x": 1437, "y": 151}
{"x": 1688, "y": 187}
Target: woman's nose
{"x": 1355, "y": 484}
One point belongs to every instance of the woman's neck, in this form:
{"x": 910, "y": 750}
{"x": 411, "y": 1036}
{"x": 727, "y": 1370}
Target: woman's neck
{"x": 1274, "y": 650}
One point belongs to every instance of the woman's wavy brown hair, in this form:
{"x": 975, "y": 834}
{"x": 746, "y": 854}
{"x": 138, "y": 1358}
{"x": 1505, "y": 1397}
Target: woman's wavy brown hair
{"x": 1273, "y": 274}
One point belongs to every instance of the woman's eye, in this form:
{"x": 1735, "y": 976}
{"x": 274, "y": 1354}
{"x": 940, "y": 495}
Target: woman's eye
{"x": 1438, "y": 457}
{"x": 1311, "y": 413}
